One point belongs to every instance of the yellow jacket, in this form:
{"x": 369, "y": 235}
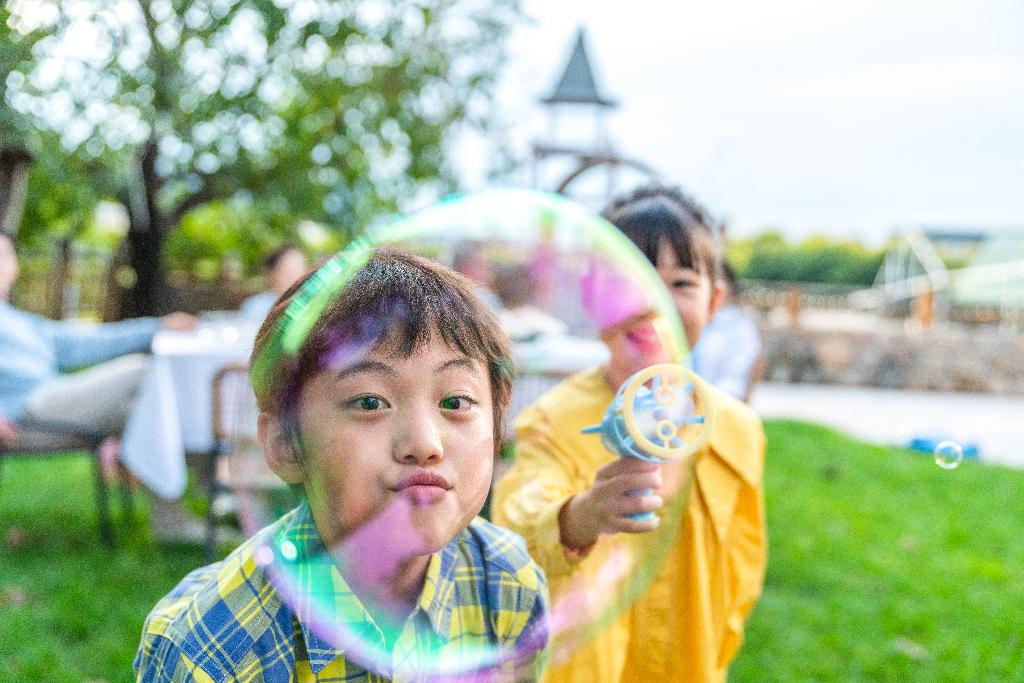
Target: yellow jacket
{"x": 687, "y": 624}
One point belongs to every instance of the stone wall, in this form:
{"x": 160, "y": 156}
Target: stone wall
{"x": 879, "y": 352}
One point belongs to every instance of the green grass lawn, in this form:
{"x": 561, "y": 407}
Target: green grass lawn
{"x": 882, "y": 567}
{"x": 71, "y": 610}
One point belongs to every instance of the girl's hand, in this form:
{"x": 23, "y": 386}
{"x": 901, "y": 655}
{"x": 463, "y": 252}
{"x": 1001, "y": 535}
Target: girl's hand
{"x": 179, "y": 322}
{"x": 605, "y": 507}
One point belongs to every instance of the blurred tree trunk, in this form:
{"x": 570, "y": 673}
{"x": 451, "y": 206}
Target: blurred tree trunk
{"x": 146, "y": 232}
{"x": 60, "y": 274}
{"x": 113, "y": 294}
{"x": 14, "y": 167}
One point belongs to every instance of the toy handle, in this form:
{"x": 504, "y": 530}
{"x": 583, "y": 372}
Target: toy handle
{"x": 598, "y": 429}
{"x": 641, "y": 516}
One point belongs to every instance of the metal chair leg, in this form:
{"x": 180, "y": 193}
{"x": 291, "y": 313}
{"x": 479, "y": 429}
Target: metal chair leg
{"x": 127, "y": 499}
{"x": 103, "y": 502}
{"x": 211, "y": 515}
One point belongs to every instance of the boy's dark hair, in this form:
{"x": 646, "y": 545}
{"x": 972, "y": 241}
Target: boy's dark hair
{"x": 652, "y": 213}
{"x": 271, "y": 259}
{"x": 395, "y": 302}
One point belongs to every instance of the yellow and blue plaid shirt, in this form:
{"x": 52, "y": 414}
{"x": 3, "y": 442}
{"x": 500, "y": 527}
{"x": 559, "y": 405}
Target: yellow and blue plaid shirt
{"x": 229, "y": 622}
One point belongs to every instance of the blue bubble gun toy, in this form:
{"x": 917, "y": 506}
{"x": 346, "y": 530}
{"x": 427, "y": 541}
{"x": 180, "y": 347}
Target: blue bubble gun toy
{"x": 661, "y": 413}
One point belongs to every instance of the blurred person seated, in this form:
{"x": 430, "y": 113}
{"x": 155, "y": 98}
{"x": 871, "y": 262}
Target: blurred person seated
{"x": 729, "y": 349}
{"x": 35, "y": 354}
{"x": 471, "y": 261}
{"x": 518, "y": 315}
{"x": 282, "y": 267}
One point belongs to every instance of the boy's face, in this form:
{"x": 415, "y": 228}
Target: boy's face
{"x": 383, "y": 432}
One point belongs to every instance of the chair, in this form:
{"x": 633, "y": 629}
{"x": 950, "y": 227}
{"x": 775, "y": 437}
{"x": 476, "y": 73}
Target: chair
{"x": 41, "y": 439}
{"x": 236, "y": 464}
{"x": 527, "y": 387}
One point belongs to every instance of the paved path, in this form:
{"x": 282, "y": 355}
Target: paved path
{"x": 994, "y": 423}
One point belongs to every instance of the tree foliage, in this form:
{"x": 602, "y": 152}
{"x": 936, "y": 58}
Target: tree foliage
{"x": 15, "y": 48}
{"x": 334, "y": 111}
{"x": 769, "y": 256}
{"x": 229, "y": 230}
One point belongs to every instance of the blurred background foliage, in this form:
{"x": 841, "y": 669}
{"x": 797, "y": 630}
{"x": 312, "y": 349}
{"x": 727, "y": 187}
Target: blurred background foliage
{"x": 769, "y": 256}
{"x": 269, "y": 114}
{"x": 189, "y": 136}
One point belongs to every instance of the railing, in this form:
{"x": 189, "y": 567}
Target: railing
{"x": 766, "y": 295}
{"x": 84, "y": 292}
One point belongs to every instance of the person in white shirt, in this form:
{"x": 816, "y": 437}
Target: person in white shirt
{"x": 36, "y": 387}
{"x": 284, "y": 266}
{"x": 729, "y": 349}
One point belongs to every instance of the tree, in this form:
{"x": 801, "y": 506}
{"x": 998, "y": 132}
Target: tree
{"x": 336, "y": 111}
{"x": 14, "y": 155}
{"x": 769, "y": 256}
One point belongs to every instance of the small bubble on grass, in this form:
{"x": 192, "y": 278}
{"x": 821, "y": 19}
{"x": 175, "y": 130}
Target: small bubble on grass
{"x": 949, "y": 455}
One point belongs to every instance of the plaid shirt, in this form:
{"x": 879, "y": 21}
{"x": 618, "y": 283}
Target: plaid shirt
{"x": 228, "y": 622}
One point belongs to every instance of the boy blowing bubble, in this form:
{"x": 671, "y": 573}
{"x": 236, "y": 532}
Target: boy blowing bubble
{"x": 388, "y": 418}
{"x": 571, "y": 499}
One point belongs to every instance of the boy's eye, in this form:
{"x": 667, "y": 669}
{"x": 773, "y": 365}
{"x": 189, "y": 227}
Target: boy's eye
{"x": 369, "y": 403}
{"x": 458, "y": 403}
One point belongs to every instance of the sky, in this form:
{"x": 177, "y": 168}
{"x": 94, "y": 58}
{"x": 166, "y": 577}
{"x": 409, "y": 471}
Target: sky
{"x": 810, "y": 116}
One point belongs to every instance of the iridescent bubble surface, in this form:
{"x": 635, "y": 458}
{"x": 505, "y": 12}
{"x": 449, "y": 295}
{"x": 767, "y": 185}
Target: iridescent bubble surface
{"x": 948, "y": 455}
{"x": 557, "y": 278}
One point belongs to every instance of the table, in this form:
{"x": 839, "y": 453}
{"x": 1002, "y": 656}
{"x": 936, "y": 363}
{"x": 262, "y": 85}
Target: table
{"x": 172, "y": 414}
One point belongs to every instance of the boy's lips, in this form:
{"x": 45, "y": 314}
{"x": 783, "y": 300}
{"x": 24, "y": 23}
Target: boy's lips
{"x": 423, "y": 487}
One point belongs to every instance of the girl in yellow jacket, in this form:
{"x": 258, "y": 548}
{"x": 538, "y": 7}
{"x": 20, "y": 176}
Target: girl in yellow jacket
{"x": 569, "y": 497}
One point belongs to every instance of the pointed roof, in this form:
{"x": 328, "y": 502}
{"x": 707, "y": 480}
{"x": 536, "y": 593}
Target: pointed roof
{"x": 577, "y": 86}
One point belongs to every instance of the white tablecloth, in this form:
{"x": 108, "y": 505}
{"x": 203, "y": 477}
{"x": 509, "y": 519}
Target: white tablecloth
{"x": 173, "y": 412}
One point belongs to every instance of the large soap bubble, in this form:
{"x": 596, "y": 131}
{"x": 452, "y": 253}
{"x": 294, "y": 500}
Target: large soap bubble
{"x": 558, "y": 277}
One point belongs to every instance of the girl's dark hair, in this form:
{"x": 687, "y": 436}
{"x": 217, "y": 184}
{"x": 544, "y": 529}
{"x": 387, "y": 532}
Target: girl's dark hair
{"x": 396, "y": 302}
{"x": 652, "y": 213}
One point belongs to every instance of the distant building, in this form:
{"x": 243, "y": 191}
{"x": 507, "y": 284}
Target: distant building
{"x": 971, "y": 269}
{"x": 577, "y": 140}
{"x": 954, "y": 244}
{"x": 995, "y": 275}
